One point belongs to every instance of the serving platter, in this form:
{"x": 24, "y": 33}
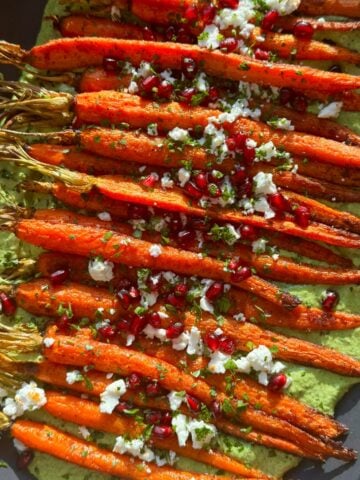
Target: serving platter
{"x": 19, "y": 23}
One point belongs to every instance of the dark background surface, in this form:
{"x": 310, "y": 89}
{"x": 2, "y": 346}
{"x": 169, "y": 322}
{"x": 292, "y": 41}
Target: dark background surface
{"x": 19, "y": 23}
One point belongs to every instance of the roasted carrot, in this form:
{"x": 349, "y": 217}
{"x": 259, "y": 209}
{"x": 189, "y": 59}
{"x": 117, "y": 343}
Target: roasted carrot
{"x": 125, "y": 361}
{"x": 330, "y": 7}
{"x": 74, "y": 450}
{"x": 282, "y": 269}
{"x": 87, "y": 413}
{"x": 92, "y": 78}
{"x": 158, "y": 11}
{"x": 350, "y": 100}
{"x": 68, "y": 54}
{"x": 288, "y": 22}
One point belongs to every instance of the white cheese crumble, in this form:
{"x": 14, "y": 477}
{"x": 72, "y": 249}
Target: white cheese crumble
{"x": 101, "y": 270}
{"x": 210, "y": 37}
{"x": 189, "y": 340}
{"x": 218, "y": 361}
{"x": 111, "y": 395}
{"x": 48, "y": 342}
{"x": 183, "y": 176}
{"x": 135, "y": 447}
{"x": 281, "y": 124}
{"x": 155, "y": 250}
{"x": 104, "y": 216}
{"x": 259, "y": 246}
{"x": 262, "y": 205}
{"x": 284, "y": 7}
{"x": 166, "y": 182}
{"x": 175, "y": 400}
{"x": 73, "y": 377}
{"x": 84, "y": 432}
{"x": 152, "y": 130}
{"x": 263, "y": 184}
{"x": 201, "y": 433}
{"x": 331, "y": 111}
{"x": 179, "y": 134}
{"x": 28, "y": 398}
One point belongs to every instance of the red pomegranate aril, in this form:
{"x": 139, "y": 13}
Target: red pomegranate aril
{"x": 149, "y": 83}
{"x": 228, "y": 3}
{"x": 214, "y": 291}
{"x": 187, "y": 94}
{"x": 286, "y": 95}
{"x": 249, "y": 155}
{"x": 302, "y": 216}
{"x": 241, "y": 274}
{"x": 212, "y": 341}
{"x": 134, "y": 381}
{"x": 213, "y": 190}
{"x": 213, "y": 94}
{"x": 166, "y": 418}
{"x": 153, "y": 417}
{"x": 110, "y": 65}
{"x": 193, "y": 403}
{"x": 174, "y": 331}
{"x": 248, "y": 232}
{"x": 299, "y": 103}
{"x": 261, "y": 54}
{"x": 279, "y": 203}
{"x": 63, "y": 322}
{"x": 233, "y": 264}
{"x": 180, "y": 290}
{"x": 107, "y": 332}
{"x": 153, "y": 389}
{"x": 121, "y": 407}
{"x": 149, "y": 181}
{"x": 191, "y": 13}
{"x": 148, "y": 34}
{"x": 277, "y": 382}
{"x": 330, "y": 300}
{"x": 215, "y": 407}
{"x": 189, "y": 67}
{"x": 162, "y": 431}
{"x": 208, "y": 14}
{"x": 269, "y": 20}
{"x": 8, "y": 304}
{"x": 304, "y": 30}
{"x": 125, "y": 299}
{"x": 24, "y": 459}
{"x": 185, "y": 36}
{"x": 165, "y": 90}
{"x": 231, "y": 144}
{"x": 59, "y": 277}
{"x": 154, "y": 319}
{"x": 239, "y": 176}
{"x": 229, "y": 44}
{"x": 226, "y": 345}
{"x": 177, "y": 302}
{"x": 123, "y": 325}
{"x": 193, "y": 191}
{"x": 240, "y": 140}
{"x": 186, "y": 238}
{"x": 134, "y": 293}
{"x": 201, "y": 181}
{"x": 138, "y": 323}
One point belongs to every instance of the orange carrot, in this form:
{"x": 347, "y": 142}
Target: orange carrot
{"x": 330, "y": 7}
{"x": 92, "y": 78}
{"x": 288, "y": 22}
{"x": 158, "y": 11}
{"x": 87, "y": 413}
{"x": 350, "y": 100}
{"x": 52, "y": 441}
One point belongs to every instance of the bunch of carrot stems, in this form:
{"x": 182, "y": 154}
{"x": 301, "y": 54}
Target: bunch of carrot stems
{"x": 98, "y": 167}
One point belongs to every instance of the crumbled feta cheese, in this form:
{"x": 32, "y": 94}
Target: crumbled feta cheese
{"x": 210, "y": 38}
{"x": 239, "y": 317}
{"x": 133, "y": 87}
{"x": 179, "y": 134}
{"x": 180, "y": 424}
{"x": 148, "y": 299}
{"x": 135, "y": 447}
{"x": 206, "y": 305}
{"x": 101, "y": 270}
{"x": 266, "y": 152}
{"x": 259, "y": 246}
{"x": 243, "y": 365}
{"x": 201, "y": 82}
{"x": 155, "y": 250}
{"x": 181, "y": 342}
{"x": 281, "y": 124}
{"x": 104, "y": 216}
{"x": 151, "y": 332}
{"x": 167, "y": 76}
{"x": 145, "y": 69}
{"x": 175, "y": 400}
{"x": 111, "y": 395}
{"x": 195, "y": 343}
{"x": 19, "y": 446}
{"x": 152, "y": 129}
{"x": 262, "y": 205}
{"x": 48, "y": 342}
{"x": 84, "y": 432}
{"x": 130, "y": 339}
{"x": 167, "y": 181}
{"x": 331, "y": 111}
{"x": 28, "y": 398}
{"x": 284, "y": 7}
{"x": 73, "y": 377}
{"x": 183, "y": 176}
{"x": 218, "y": 361}
{"x": 201, "y": 433}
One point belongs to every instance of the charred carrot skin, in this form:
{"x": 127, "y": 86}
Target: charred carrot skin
{"x": 52, "y": 441}
{"x": 87, "y": 413}
{"x": 72, "y": 53}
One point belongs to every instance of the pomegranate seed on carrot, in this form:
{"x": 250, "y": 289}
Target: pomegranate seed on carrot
{"x": 229, "y": 44}
{"x": 302, "y": 216}
{"x": 8, "y": 304}
{"x": 269, "y": 20}
{"x": 107, "y": 332}
{"x": 277, "y": 382}
{"x": 59, "y": 276}
{"x": 174, "y": 330}
{"x": 330, "y": 300}
{"x": 303, "y": 30}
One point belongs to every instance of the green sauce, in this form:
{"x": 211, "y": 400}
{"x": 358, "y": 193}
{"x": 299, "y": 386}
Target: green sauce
{"x": 314, "y": 387}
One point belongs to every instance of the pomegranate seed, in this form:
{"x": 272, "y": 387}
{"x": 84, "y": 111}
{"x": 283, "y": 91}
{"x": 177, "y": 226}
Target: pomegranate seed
{"x": 153, "y": 417}
{"x": 248, "y": 232}
{"x": 234, "y": 264}
{"x": 239, "y": 176}
{"x": 148, "y": 34}
{"x": 177, "y": 302}
{"x": 134, "y": 293}
{"x": 330, "y": 301}
{"x": 214, "y": 291}
{"x": 212, "y": 341}
{"x": 165, "y": 90}
{"x": 175, "y": 330}
{"x": 153, "y": 389}
{"x": 201, "y": 180}
{"x": 187, "y": 94}
{"x": 215, "y": 176}
{"x": 8, "y": 304}
{"x": 185, "y": 36}
{"x": 228, "y": 3}
{"x": 125, "y": 299}
{"x": 166, "y": 418}
{"x": 121, "y": 407}
{"x": 286, "y": 96}
{"x": 262, "y": 54}
{"x": 279, "y": 203}
{"x": 110, "y": 65}
{"x": 245, "y": 189}
{"x": 302, "y": 216}
{"x": 215, "y": 408}
{"x": 191, "y": 14}
{"x": 226, "y": 345}
{"x": 149, "y": 83}
{"x": 123, "y": 325}
{"x": 214, "y": 191}
{"x": 138, "y": 212}
{"x": 249, "y": 155}
{"x": 208, "y": 14}
{"x": 336, "y": 69}
{"x": 154, "y": 319}
{"x": 186, "y": 238}
{"x": 277, "y": 382}
{"x": 138, "y": 323}
{"x": 213, "y": 94}
{"x": 24, "y": 459}
{"x": 229, "y": 44}
{"x": 231, "y": 144}
{"x": 188, "y": 67}
{"x": 299, "y": 103}
{"x": 171, "y": 33}
{"x": 149, "y": 181}
{"x": 241, "y": 274}
{"x": 193, "y": 191}
{"x": 63, "y": 322}
{"x": 162, "y": 431}
{"x": 269, "y": 20}
{"x": 107, "y": 332}
{"x": 304, "y": 30}
{"x": 193, "y": 403}
{"x": 180, "y": 290}
{"x": 59, "y": 277}
{"x": 134, "y": 380}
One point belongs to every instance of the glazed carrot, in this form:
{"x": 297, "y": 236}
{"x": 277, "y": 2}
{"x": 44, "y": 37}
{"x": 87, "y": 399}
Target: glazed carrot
{"x": 52, "y": 441}
{"x": 350, "y": 100}
{"x": 94, "y": 78}
{"x": 121, "y": 248}
{"x": 87, "y": 413}
{"x": 282, "y": 269}
{"x": 288, "y": 22}
{"x": 110, "y": 358}
{"x": 158, "y": 11}
{"x": 330, "y": 7}
{"x": 68, "y": 54}
{"x": 55, "y": 374}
